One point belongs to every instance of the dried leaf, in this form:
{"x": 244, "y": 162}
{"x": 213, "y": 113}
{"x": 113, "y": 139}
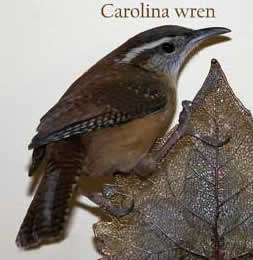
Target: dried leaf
{"x": 199, "y": 203}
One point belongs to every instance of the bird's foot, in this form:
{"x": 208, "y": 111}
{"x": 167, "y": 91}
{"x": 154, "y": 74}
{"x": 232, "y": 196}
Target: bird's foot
{"x": 209, "y": 140}
{"x": 103, "y": 201}
{"x": 184, "y": 128}
{"x": 146, "y": 166}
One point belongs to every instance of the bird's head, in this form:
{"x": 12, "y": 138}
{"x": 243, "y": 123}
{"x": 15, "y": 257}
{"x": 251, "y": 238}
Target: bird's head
{"x": 164, "y": 48}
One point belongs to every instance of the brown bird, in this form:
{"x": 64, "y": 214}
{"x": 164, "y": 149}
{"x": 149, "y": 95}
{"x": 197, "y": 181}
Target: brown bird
{"x": 106, "y": 122}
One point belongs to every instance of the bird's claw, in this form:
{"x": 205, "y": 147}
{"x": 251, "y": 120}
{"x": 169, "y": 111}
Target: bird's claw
{"x": 209, "y": 140}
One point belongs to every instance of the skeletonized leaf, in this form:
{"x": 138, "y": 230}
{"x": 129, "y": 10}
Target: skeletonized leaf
{"x": 199, "y": 202}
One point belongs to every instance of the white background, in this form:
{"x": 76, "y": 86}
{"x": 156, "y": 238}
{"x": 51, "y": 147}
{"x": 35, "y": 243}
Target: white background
{"x": 44, "y": 46}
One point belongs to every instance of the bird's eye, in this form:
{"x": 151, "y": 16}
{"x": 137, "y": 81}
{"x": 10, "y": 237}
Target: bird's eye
{"x": 168, "y": 47}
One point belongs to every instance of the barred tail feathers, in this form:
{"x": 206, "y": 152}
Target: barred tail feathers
{"x": 46, "y": 217}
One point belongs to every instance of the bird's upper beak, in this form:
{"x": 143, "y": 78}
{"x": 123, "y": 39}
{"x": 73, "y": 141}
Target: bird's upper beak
{"x": 202, "y": 34}
{"x": 192, "y": 40}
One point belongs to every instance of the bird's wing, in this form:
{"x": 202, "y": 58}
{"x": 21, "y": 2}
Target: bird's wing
{"x": 106, "y": 102}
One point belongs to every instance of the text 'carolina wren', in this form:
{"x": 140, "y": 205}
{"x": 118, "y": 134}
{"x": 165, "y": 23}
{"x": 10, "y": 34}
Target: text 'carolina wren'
{"x": 106, "y": 122}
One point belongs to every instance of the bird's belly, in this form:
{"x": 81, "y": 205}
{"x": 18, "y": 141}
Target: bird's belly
{"x": 121, "y": 148}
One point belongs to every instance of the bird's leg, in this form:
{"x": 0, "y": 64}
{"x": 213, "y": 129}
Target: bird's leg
{"x": 185, "y": 129}
{"x": 184, "y": 119}
{"x": 149, "y": 163}
{"x": 102, "y": 199}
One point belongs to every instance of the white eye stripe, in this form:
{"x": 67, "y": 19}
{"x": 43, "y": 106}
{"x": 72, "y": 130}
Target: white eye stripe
{"x": 132, "y": 54}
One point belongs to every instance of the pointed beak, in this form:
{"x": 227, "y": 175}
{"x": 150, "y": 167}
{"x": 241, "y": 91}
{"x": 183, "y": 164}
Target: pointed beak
{"x": 206, "y": 33}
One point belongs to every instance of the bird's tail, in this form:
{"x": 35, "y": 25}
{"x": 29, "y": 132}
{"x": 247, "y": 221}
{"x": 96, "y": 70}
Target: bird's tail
{"x": 46, "y": 217}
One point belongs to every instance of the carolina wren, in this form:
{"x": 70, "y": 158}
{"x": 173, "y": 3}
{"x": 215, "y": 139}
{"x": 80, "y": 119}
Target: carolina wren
{"x": 106, "y": 121}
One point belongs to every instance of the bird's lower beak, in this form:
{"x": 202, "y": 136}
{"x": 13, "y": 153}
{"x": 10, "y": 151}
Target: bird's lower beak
{"x": 203, "y": 34}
